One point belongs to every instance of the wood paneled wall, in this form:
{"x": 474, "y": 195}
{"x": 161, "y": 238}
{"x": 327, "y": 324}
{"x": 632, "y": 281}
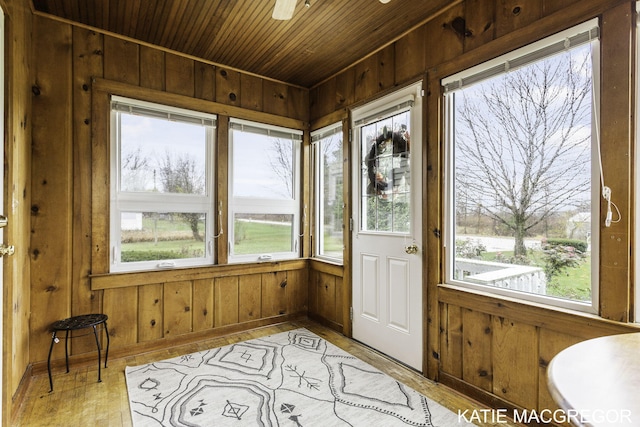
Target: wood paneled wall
{"x": 497, "y": 349}
{"x": 17, "y": 200}
{"x": 75, "y": 69}
{"x": 327, "y": 298}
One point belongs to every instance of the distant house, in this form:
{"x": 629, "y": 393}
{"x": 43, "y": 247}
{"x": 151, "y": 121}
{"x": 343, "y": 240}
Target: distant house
{"x": 579, "y": 226}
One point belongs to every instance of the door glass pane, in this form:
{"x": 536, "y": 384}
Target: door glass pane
{"x": 385, "y": 175}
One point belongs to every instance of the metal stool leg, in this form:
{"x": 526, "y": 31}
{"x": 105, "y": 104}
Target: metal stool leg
{"x": 95, "y": 333}
{"x": 53, "y": 340}
{"x": 66, "y": 350}
{"x": 106, "y": 354}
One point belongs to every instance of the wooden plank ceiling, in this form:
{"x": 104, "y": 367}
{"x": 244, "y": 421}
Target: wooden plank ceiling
{"x": 318, "y": 42}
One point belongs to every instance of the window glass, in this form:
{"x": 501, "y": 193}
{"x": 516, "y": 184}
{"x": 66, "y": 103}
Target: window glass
{"x": 162, "y": 202}
{"x": 522, "y": 179}
{"x": 162, "y": 156}
{"x": 264, "y": 188}
{"x": 263, "y": 166}
{"x": 386, "y": 178}
{"x": 329, "y": 196}
{"x": 262, "y": 233}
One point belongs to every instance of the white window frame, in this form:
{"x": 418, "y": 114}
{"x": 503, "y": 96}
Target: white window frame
{"x": 265, "y": 205}
{"x": 523, "y": 56}
{"x": 317, "y": 138}
{"x": 131, "y": 201}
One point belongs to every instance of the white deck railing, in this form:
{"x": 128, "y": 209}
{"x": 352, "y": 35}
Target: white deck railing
{"x": 510, "y": 276}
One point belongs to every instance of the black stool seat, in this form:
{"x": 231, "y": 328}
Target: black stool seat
{"x": 75, "y": 323}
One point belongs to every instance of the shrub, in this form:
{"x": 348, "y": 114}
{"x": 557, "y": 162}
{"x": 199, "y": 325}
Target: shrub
{"x": 133, "y": 256}
{"x": 558, "y": 256}
{"x": 470, "y": 248}
{"x": 579, "y": 245}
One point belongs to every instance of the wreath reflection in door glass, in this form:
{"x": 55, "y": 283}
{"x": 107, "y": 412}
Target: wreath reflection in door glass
{"x": 386, "y": 175}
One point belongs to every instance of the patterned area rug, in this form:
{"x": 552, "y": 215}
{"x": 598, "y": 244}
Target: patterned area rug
{"x": 292, "y": 379}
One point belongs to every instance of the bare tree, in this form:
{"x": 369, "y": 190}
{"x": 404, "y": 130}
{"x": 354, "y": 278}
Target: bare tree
{"x": 281, "y": 160}
{"x": 524, "y": 136}
{"x": 134, "y": 170}
{"x": 180, "y": 174}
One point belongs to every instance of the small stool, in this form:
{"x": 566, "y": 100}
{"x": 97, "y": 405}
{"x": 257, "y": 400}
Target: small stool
{"x": 72, "y": 324}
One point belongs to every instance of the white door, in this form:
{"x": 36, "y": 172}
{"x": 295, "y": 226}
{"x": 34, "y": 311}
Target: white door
{"x": 387, "y": 229}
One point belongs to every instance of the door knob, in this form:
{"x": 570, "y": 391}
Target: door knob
{"x": 411, "y": 249}
{"x": 7, "y": 250}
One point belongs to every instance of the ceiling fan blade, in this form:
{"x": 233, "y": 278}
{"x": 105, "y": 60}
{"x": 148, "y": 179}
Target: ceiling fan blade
{"x": 284, "y": 9}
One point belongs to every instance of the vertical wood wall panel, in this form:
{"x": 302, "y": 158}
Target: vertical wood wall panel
{"x": 205, "y": 81}
{"x": 150, "y": 312}
{"x": 226, "y": 301}
{"x": 345, "y": 88}
{"x": 121, "y": 305}
{"x": 180, "y": 75}
{"x": 51, "y": 173}
{"x": 409, "y": 55}
{"x": 327, "y": 296}
{"x": 451, "y": 340}
{"x": 203, "y": 311}
{"x": 152, "y": 68}
{"x": 314, "y": 278}
{"x": 274, "y": 293}
{"x": 514, "y": 14}
{"x": 18, "y": 139}
{"x": 515, "y": 362}
{"x": 386, "y": 67}
{"x": 253, "y": 94}
{"x": 367, "y": 83}
{"x": 480, "y": 19}
{"x": 442, "y": 38}
{"x": 87, "y": 63}
{"x": 476, "y": 349}
{"x": 275, "y": 97}
{"x": 250, "y": 297}
{"x": 228, "y": 86}
{"x": 178, "y": 300}
{"x": 551, "y": 343}
{"x": 298, "y": 103}
{"x": 121, "y": 60}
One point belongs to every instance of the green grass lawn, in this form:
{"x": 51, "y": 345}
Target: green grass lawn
{"x": 574, "y": 283}
{"x": 261, "y": 238}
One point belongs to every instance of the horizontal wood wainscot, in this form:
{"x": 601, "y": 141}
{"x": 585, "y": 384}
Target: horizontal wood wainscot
{"x": 498, "y": 350}
{"x": 328, "y": 303}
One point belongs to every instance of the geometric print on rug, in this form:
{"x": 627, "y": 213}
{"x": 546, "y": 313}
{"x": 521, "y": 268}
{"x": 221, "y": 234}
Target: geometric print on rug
{"x": 293, "y": 378}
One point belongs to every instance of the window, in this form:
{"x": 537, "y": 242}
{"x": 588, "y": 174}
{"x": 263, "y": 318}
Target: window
{"x": 385, "y": 173}
{"x": 161, "y": 187}
{"x": 327, "y": 149}
{"x": 264, "y": 191}
{"x": 523, "y": 172}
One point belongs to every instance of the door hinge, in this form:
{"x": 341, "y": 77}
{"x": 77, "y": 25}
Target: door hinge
{"x": 350, "y": 313}
{"x": 350, "y": 135}
{"x": 350, "y": 224}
